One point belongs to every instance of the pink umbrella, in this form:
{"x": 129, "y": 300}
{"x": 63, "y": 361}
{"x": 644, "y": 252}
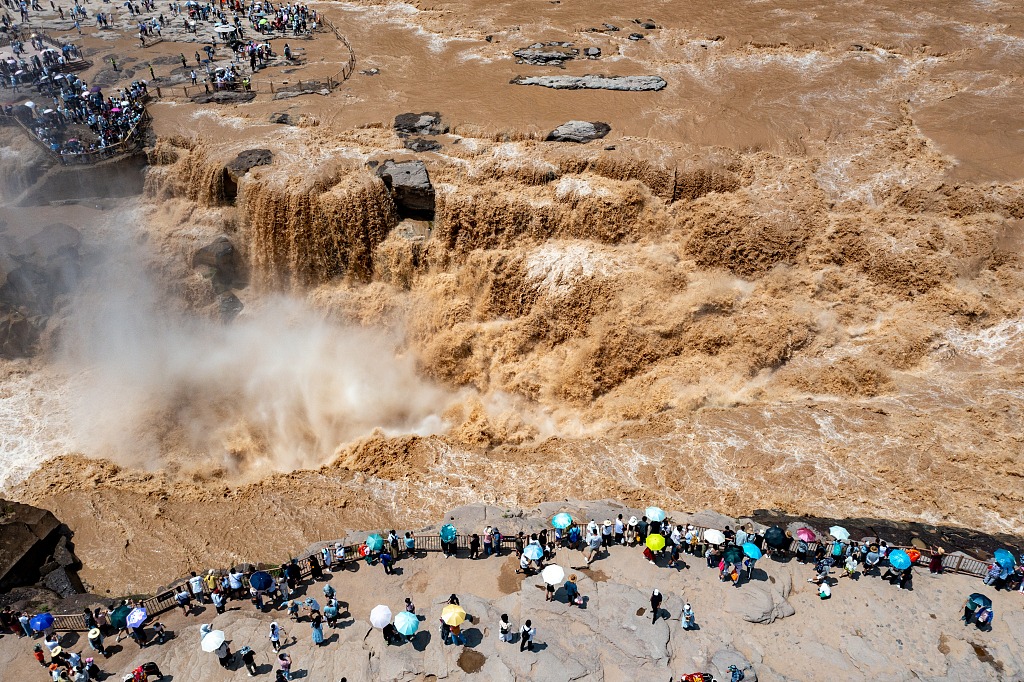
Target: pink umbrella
{"x": 116, "y": 109}
{"x": 806, "y": 534}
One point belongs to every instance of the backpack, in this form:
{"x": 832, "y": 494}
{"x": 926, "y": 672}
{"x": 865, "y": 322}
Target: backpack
{"x": 837, "y": 549}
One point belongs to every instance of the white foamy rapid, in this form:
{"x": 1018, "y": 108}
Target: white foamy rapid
{"x": 33, "y": 421}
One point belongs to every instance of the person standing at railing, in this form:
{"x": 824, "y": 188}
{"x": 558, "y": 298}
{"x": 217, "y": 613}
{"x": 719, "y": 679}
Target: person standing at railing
{"x": 195, "y": 585}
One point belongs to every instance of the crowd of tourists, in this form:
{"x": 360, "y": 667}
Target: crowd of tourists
{"x": 733, "y": 553}
{"x": 78, "y": 119}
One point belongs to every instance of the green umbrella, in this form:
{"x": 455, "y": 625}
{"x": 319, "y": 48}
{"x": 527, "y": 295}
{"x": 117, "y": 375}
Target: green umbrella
{"x": 119, "y": 616}
{"x": 733, "y": 554}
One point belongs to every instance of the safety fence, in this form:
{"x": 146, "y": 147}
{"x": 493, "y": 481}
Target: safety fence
{"x": 266, "y": 85}
{"x": 133, "y": 142}
{"x": 165, "y": 600}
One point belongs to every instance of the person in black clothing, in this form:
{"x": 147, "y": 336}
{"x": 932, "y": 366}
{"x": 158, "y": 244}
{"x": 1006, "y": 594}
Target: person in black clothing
{"x": 453, "y": 600}
{"x": 315, "y": 570}
{"x": 90, "y": 621}
{"x": 293, "y": 574}
{"x": 474, "y": 546}
{"x": 655, "y": 606}
{"x": 249, "y": 659}
{"x": 391, "y": 634}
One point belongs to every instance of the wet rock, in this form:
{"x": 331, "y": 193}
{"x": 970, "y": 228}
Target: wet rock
{"x": 224, "y": 97}
{"x": 546, "y": 55}
{"x": 610, "y": 27}
{"x": 28, "y": 536}
{"x": 64, "y": 556}
{"x": 281, "y": 118}
{"x": 419, "y": 144}
{"x": 579, "y": 131}
{"x": 370, "y": 72}
{"x": 596, "y": 82}
{"x": 63, "y": 582}
{"x": 304, "y": 91}
{"x": 410, "y": 183}
{"x": 427, "y": 123}
{"x": 228, "y": 306}
{"x": 636, "y": 36}
{"x": 592, "y": 52}
{"x": 18, "y": 335}
{"x": 222, "y": 259}
{"x": 248, "y": 160}
{"x": 649, "y": 25}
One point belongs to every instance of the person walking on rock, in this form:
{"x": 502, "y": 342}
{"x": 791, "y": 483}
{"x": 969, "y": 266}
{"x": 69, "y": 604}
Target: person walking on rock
{"x": 655, "y": 606}
{"x": 285, "y": 663}
{"x": 249, "y": 659}
{"x": 689, "y": 618}
{"x": 526, "y": 635}
{"x": 275, "y": 636}
{"x": 505, "y": 628}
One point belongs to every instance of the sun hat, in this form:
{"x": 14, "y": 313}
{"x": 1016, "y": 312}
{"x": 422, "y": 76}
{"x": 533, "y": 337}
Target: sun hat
{"x": 94, "y": 633}
{"x": 633, "y": 521}
{"x": 572, "y": 578}
{"x": 656, "y": 592}
{"x": 607, "y": 522}
{"x": 686, "y": 605}
{"x": 57, "y": 651}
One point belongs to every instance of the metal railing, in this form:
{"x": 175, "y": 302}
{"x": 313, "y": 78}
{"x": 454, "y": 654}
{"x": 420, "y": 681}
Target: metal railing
{"x": 165, "y": 600}
{"x": 132, "y": 142}
{"x": 271, "y": 86}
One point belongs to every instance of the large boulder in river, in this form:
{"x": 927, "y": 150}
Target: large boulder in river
{"x": 222, "y": 261}
{"x": 410, "y": 183}
{"x": 248, "y": 160}
{"x": 594, "y": 82}
{"x": 579, "y": 131}
{"x": 28, "y": 537}
{"x": 427, "y": 123}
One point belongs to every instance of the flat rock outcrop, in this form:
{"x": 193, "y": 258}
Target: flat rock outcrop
{"x": 579, "y": 131}
{"x": 624, "y": 83}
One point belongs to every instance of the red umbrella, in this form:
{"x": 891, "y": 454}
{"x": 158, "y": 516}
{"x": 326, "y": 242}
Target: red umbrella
{"x": 806, "y": 534}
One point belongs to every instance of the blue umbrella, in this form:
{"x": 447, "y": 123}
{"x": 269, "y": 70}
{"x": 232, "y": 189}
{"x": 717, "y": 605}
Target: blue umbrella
{"x": 751, "y": 550}
{"x": 561, "y": 520}
{"x": 448, "y": 532}
{"x": 374, "y": 543}
{"x": 41, "y": 621}
{"x": 533, "y": 552}
{"x": 261, "y": 580}
{"x": 1005, "y": 559}
{"x": 137, "y": 617}
{"x": 406, "y": 623}
{"x": 655, "y": 514}
{"x": 899, "y": 559}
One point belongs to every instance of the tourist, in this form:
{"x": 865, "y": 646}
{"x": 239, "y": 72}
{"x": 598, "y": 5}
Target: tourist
{"x": 316, "y": 625}
{"x": 275, "y": 636}
{"x": 329, "y": 591}
{"x": 474, "y": 546}
{"x": 606, "y": 533}
{"x": 488, "y": 542}
{"x": 249, "y": 659}
{"x": 456, "y": 633}
{"x": 620, "y": 530}
{"x": 184, "y": 601}
{"x": 630, "y": 533}
{"x": 224, "y": 655}
{"x": 210, "y": 583}
{"x": 292, "y": 609}
{"x": 315, "y": 570}
{"x": 40, "y": 657}
{"x": 850, "y": 566}
{"x": 409, "y": 606}
{"x": 96, "y": 642}
{"x": 385, "y": 561}
{"x": 689, "y": 619}
{"x": 572, "y": 592}
{"x": 410, "y": 543}
{"x": 195, "y": 585}
{"x": 935, "y": 564}
{"x": 505, "y": 628}
{"x": 655, "y": 606}
{"x": 649, "y": 555}
{"x": 235, "y": 583}
{"x": 712, "y": 556}
{"x": 549, "y": 592}
{"x": 331, "y": 613}
{"x": 593, "y": 546}
{"x": 641, "y": 530}
{"x": 526, "y": 635}
{"x": 735, "y": 673}
{"x": 391, "y": 635}
{"x": 218, "y": 599}
{"x": 284, "y": 661}
{"x": 454, "y": 599}
{"x": 159, "y": 632}
{"x": 524, "y": 565}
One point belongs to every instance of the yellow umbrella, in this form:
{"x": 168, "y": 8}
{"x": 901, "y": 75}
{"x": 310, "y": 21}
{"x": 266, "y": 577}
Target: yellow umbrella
{"x": 453, "y": 614}
{"x": 656, "y": 542}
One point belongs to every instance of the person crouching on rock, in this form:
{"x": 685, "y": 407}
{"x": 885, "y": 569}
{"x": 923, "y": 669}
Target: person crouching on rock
{"x": 224, "y": 655}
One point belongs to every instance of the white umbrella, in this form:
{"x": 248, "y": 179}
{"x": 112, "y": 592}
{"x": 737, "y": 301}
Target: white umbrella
{"x": 715, "y": 537}
{"x": 380, "y": 616}
{"x": 30, "y": 105}
{"x": 212, "y": 641}
{"x": 224, "y": 29}
{"x": 839, "y": 533}
{"x": 552, "y": 575}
